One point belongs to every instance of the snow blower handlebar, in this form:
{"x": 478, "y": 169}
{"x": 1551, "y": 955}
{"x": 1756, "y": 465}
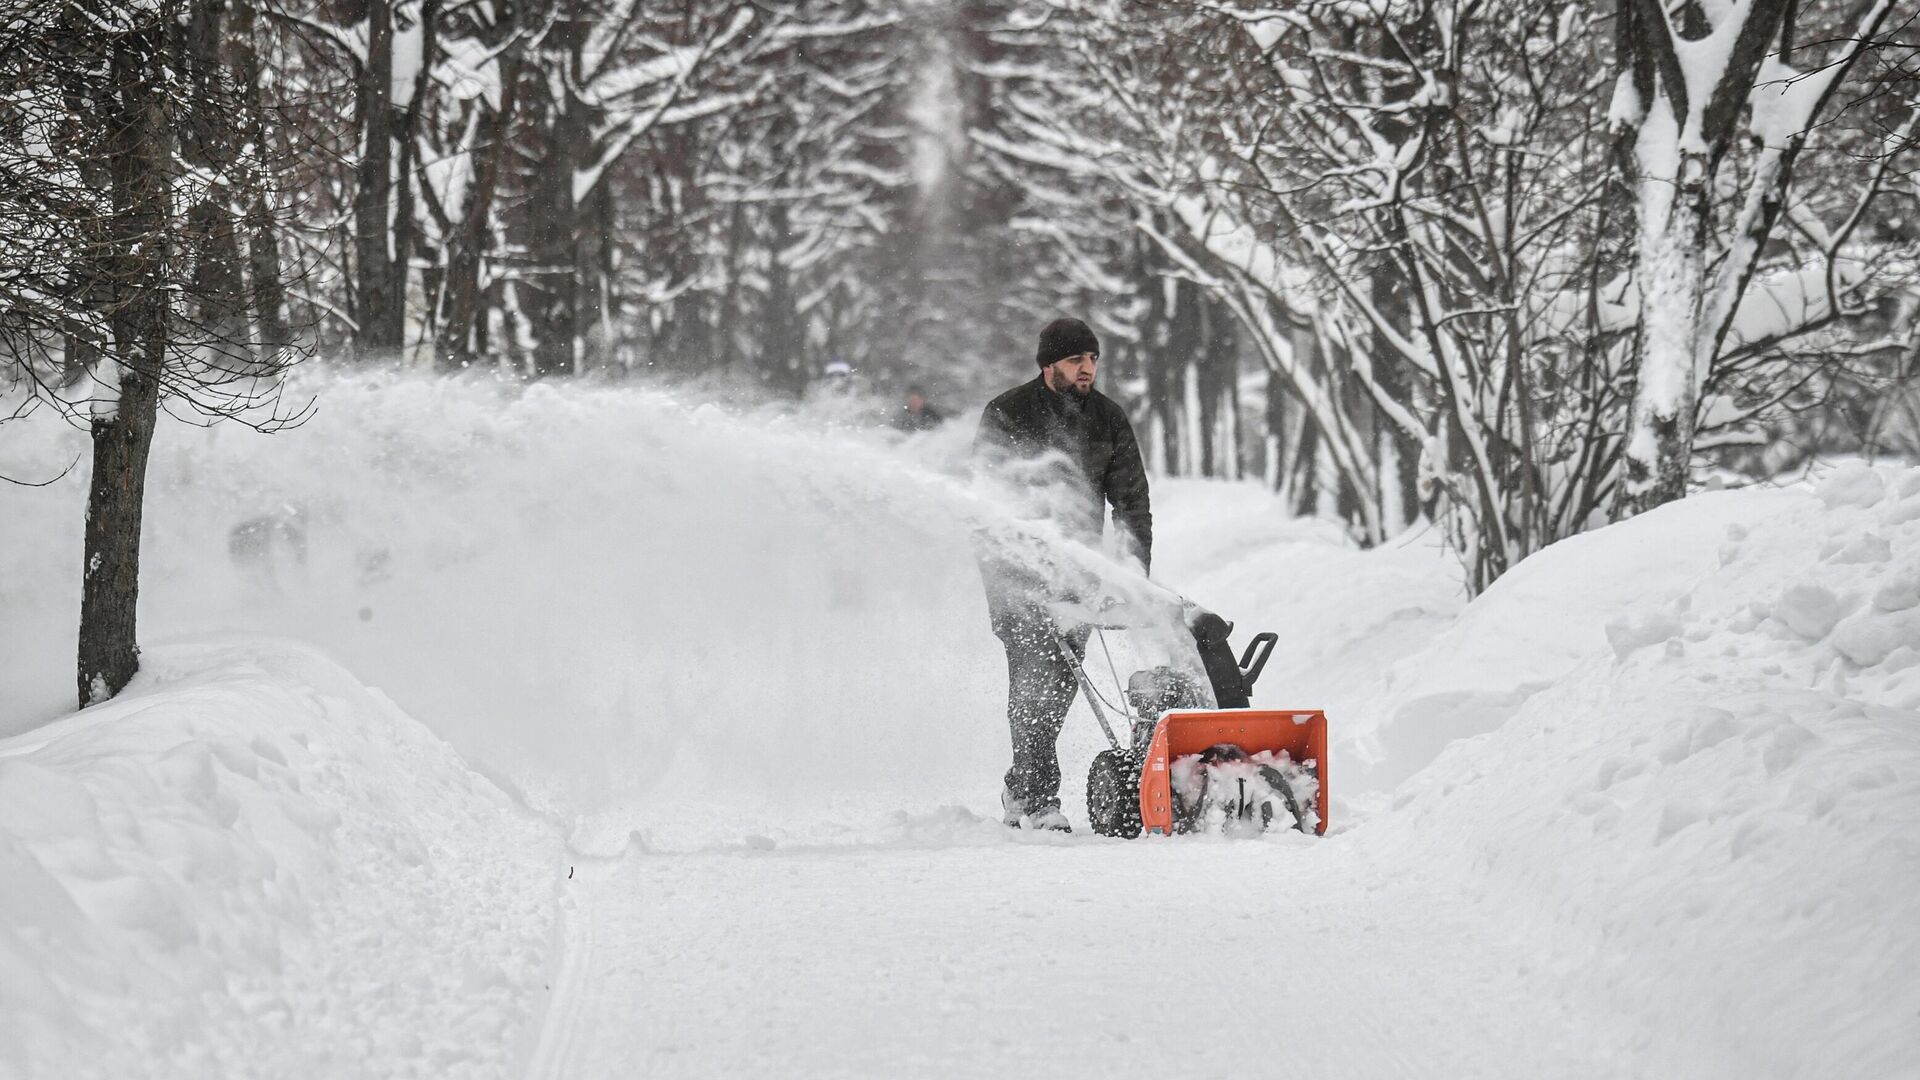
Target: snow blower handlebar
{"x": 1232, "y": 681}
{"x": 1251, "y": 665}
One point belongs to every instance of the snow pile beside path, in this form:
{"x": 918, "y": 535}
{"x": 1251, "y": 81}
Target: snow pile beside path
{"x": 1714, "y": 809}
{"x": 1560, "y": 607}
{"x": 250, "y": 865}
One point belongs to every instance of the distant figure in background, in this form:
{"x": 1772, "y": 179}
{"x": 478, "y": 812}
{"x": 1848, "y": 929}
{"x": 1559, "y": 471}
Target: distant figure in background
{"x": 916, "y": 414}
{"x": 837, "y": 378}
{"x": 270, "y": 550}
{"x": 1056, "y": 437}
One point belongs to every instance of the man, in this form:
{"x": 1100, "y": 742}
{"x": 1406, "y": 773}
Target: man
{"x": 917, "y": 415}
{"x": 1069, "y": 447}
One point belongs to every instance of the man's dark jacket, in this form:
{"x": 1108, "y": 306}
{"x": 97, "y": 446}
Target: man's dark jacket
{"x": 1080, "y": 452}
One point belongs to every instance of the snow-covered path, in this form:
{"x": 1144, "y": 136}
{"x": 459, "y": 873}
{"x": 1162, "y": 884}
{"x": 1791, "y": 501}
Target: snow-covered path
{"x": 1082, "y": 957}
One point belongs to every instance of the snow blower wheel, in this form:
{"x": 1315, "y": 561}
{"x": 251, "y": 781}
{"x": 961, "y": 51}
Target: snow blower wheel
{"x": 1113, "y": 794}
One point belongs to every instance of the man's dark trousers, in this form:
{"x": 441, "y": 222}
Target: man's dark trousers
{"x": 1040, "y": 688}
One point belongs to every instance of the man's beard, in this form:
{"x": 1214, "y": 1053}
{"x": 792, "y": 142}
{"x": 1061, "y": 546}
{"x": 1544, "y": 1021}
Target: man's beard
{"x": 1065, "y": 385}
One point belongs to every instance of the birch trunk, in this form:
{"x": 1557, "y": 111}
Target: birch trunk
{"x": 1666, "y": 395}
{"x": 1683, "y": 122}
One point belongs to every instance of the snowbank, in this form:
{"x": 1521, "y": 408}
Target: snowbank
{"x": 1699, "y": 781}
{"x": 250, "y": 865}
{"x": 1565, "y": 604}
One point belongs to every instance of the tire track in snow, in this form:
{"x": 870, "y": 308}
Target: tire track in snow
{"x": 576, "y": 932}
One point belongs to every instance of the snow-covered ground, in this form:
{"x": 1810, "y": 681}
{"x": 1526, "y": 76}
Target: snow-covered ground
{"x": 685, "y": 751}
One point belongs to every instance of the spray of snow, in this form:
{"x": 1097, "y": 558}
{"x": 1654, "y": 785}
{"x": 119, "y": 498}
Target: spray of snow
{"x": 598, "y": 594}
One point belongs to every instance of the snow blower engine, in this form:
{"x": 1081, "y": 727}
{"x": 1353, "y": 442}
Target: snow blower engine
{"x": 1195, "y": 765}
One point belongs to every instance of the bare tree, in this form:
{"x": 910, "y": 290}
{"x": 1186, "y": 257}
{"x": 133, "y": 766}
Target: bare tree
{"x": 128, "y": 185}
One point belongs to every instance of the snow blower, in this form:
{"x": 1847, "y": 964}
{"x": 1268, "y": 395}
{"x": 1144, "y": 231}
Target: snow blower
{"x": 1195, "y": 765}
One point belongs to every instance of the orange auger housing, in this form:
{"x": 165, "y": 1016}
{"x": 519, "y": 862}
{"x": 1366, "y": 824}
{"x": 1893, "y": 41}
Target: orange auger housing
{"x": 1302, "y": 733}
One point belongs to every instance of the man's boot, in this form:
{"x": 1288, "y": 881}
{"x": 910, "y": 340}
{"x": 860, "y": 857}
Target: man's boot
{"x": 1014, "y": 814}
{"x": 1050, "y": 819}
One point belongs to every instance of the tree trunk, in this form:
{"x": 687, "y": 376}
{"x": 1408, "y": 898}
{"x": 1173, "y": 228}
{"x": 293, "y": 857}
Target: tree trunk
{"x": 218, "y": 287}
{"x": 1276, "y": 426}
{"x": 404, "y": 235}
{"x": 553, "y": 212}
{"x": 266, "y": 264}
{"x": 783, "y": 354}
{"x": 267, "y": 270}
{"x": 1666, "y": 392}
{"x": 122, "y": 429}
{"x": 1675, "y": 183}
{"x": 380, "y": 293}
{"x": 1173, "y": 323}
{"x": 1396, "y": 453}
{"x": 1221, "y": 401}
{"x": 110, "y": 591}
{"x": 220, "y": 127}
{"x": 593, "y": 270}
{"x": 211, "y": 131}
{"x": 683, "y": 339}
{"x": 1304, "y": 471}
{"x": 732, "y": 313}
{"x": 1399, "y": 453}
{"x": 464, "y": 327}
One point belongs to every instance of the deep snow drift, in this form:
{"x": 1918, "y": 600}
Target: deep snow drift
{"x": 1669, "y": 772}
{"x": 249, "y": 865}
{"x": 1710, "y": 802}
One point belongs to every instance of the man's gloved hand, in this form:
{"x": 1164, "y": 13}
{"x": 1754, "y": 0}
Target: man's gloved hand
{"x": 1114, "y": 612}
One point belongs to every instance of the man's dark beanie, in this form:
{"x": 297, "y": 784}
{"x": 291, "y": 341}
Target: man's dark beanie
{"x": 1066, "y": 337}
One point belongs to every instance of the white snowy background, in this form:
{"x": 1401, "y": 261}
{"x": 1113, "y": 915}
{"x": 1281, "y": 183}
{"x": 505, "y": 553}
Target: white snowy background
{"x": 602, "y": 734}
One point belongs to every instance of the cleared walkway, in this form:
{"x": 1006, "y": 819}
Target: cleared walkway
{"x": 1083, "y": 957}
